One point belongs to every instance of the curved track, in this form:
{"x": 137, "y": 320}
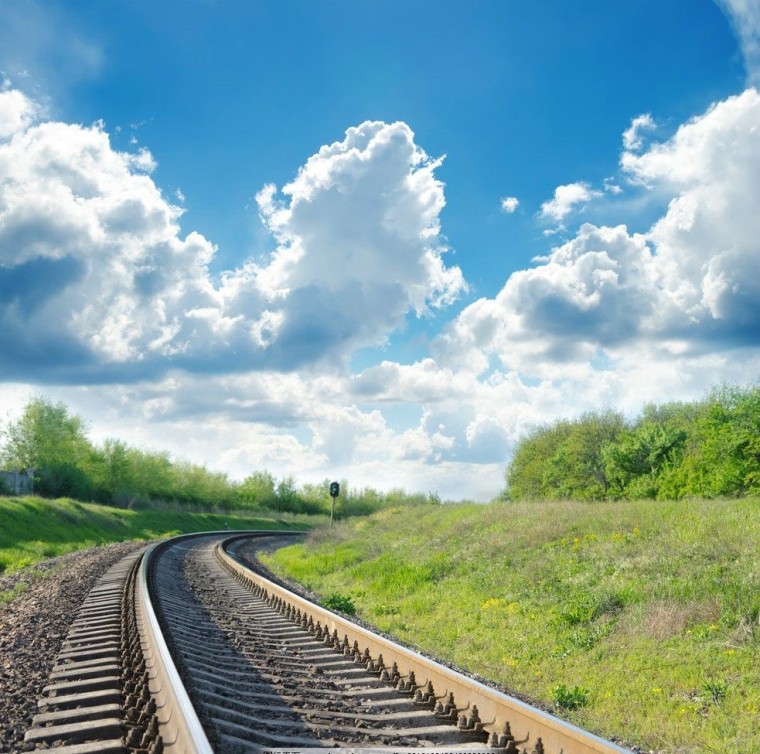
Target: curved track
{"x": 211, "y": 656}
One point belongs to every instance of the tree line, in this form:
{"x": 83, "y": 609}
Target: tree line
{"x": 53, "y": 442}
{"x": 705, "y": 448}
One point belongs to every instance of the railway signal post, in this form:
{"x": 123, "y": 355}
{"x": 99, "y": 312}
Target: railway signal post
{"x": 334, "y": 492}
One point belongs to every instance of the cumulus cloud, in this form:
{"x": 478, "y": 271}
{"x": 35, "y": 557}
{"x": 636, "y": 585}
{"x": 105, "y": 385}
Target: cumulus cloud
{"x": 509, "y": 204}
{"x": 99, "y": 284}
{"x": 566, "y": 199}
{"x": 17, "y": 111}
{"x": 358, "y": 238}
{"x": 708, "y": 242}
{"x": 596, "y": 289}
{"x": 690, "y": 284}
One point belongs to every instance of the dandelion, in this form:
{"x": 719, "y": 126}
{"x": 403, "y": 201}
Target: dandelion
{"x": 491, "y": 603}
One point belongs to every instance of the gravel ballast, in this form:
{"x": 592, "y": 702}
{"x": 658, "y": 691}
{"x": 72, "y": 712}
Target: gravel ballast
{"x": 33, "y": 625}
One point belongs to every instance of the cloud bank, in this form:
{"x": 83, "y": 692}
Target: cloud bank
{"x": 688, "y": 286}
{"x": 99, "y": 284}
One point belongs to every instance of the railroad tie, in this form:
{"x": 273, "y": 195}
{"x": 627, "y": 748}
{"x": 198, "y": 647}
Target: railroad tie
{"x": 81, "y": 710}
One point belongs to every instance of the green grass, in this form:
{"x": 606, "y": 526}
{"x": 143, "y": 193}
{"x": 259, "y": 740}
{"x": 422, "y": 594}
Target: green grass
{"x": 33, "y": 529}
{"x": 637, "y": 620}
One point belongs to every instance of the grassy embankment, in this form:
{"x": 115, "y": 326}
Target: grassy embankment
{"x": 33, "y": 529}
{"x": 637, "y": 620}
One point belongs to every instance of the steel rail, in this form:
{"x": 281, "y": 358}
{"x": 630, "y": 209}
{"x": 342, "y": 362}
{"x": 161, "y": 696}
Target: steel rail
{"x": 501, "y": 716}
{"x": 179, "y": 726}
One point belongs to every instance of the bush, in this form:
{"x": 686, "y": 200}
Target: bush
{"x": 709, "y": 448}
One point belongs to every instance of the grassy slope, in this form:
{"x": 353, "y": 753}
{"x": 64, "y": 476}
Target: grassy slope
{"x": 32, "y": 529}
{"x": 650, "y": 607}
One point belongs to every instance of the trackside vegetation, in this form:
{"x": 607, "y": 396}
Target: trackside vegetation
{"x": 48, "y": 439}
{"x": 707, "y": 449}
{"x": 638, "y": 620}
{"x": 33, "y": 529}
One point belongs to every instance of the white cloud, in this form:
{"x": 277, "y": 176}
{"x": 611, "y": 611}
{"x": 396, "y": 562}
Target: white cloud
{"x": 93, "y": 260}
{"x": 597, "y": 289}
{"x": 633, "y": 138}
{"x": 708, "y": 243}
{"x": 566, "y": 199}
{"x": 17, "y": 111}
{"x": 94, "y": 266}
{"x": 358, "y": 238}
{"x": 509, "y": 204}
{"x": 745, "y": 18}
{"x": 692, "y": 280}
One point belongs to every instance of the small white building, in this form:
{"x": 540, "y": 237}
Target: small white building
{"x": 18, "y": 482}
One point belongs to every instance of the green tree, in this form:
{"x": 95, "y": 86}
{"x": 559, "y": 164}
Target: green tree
{"x": 317, "y": 496}
{"x": 565, "y": 460}
{"x": 636, "y": 460}
{"x": 528, "y": 475}
{"x": 53, "y": 442}
{"x": 45, "y": 433}
{"x": 257, "y": 490}
{"x": 579, "y": 465}
{"x": 114, "y": 473}
{"x": 287, "y": 497}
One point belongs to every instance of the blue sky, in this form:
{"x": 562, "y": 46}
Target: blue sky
{"x": 374, "y": 240}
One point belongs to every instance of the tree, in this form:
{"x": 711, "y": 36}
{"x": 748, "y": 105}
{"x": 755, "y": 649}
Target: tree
{"x": 46, "y": 434}
{"x": 257, "y": 490}
{"x": 565, "y": 460}
{"x": 114, "y": 473}
{"x": 636, "y": 460}
{"x": 53, "y": 442}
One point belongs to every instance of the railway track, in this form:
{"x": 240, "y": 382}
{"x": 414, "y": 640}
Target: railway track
{"x": 185, "y": 649}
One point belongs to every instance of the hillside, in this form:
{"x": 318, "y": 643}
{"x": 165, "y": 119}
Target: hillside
{"x": 637, "y": 620}
{"x": 32, "y": 529}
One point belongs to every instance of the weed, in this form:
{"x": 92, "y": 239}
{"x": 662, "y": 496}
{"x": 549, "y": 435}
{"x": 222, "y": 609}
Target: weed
{"x": 8, "y": 595}
{"x": 716, "y": 691}
{"x": 570, "y": 698}
{"x": 579, "y": 610}
{"x": 339, "y": 602}
{"x": 588, "y": 638}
